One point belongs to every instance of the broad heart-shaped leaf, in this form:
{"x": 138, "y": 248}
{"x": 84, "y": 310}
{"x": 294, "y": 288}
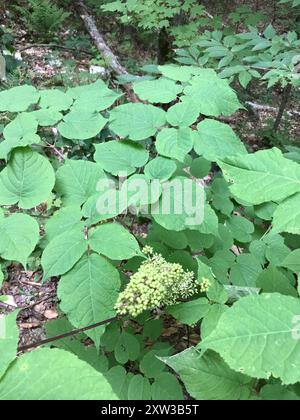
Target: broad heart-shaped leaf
{"x": 262, "y": 176}
{"x": 120, "y": 156}
{"x": 114, "y": 241}
{"x": 217, "y": 140}
{"x": 136, "y": 121}
{"x": 179, "y": 73}
{"x": 47, "y": 117}
{"x": 212, "y": 95}
{"x": 183, "y": 114}
{"x": 157, "y": 91}
{"x": 139, "y": 389}
{"x": 63, "y": 252}
{"x": 292, "y": 261}
{"x": 88, "y": 293}
{"x": 290, "y": 224}
{"x": 20, "y": 132}
{"x": 9, "y": 338}
{"x": 62, "y": 221}
{"x": 190, "y": 312}
{"x": 27, "y": 180}
{"x": 174, "y": 143}
{"x": 181, "y": 206}
{"x": 207, "y": 377}
{"x": 55, "y": 99}
{"x": 160, "y": 168}
{"x": 77, "y": 181}
{"x": 166, "y": 387}
{"x": 80, "y": 124}
{"x": 19, "y": 235}
{"x": 18, "y": 99}
{"x": 245, "y": 271}
{"x": 259, "y": 336}
{"x": 47, "y": 374}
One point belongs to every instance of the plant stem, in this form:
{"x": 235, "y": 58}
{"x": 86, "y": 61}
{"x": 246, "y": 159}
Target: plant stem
{"x": 285, "y": 98}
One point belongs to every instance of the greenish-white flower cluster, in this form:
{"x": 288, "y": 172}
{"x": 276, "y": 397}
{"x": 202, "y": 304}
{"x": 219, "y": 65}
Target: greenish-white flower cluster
{"x": 205, "y": 285}
{"x": 157, "y": 283}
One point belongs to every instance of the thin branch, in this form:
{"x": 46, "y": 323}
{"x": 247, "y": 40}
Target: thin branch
{"x": 66, "y": 335}
{"x": 52, "y": 46}
{"x": 260, "y": 107}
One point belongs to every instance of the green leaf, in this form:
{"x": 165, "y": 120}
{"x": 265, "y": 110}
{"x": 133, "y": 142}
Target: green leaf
{"x": 63, "y": 252}
{"x": 200, "y": 168}
{"x": 292, "y": 261}
{"x": 18, "y": 99}
{"x": 179, "y": 73}
{"x": 245, "y": 271}
{"x": 174, "y": 143}
{"x": 207, "y": 377}
{"x": 190, "y": 312}
{"x": 94, "y": 97}
{"x": 77, "y": 181}
{"x": 21, "y": 132}
{"x": 63, "y": 221}
{"x": 55, "y": 99}
{"x": 183, "y": 114}
{"x": 27, "y": 180}
{"x": 150, "y": 365}
{"x": 119, "y": 381}
{"x": 127, "y": 348}
{"x": 157, "y": 91}
{"x": 160, "y": 168}
{"x": 272, "y": 280}
{"x": 241, "y": 228}
{"x": 136, "y": 121}
{"x": 9, "y": 338}
{"x": 258, "y": 337}
{"x": 175, "y": 212}
{"x": 217, "y": 140}
{"x": 81, "y": 125}
{"x": 88, "y": 293}
{"x": 53, "y": 375}
{"x": 114, "y": 241}
{"x": 212, "y": 319}
{"x": 166, "y": 387}
{"x": 19, "y": 235}
{"x": 277, "y": 393}
{"x": 139, "y": 389}
{"x": 120, "y": 156}
{"x": 291, "y": 224}
{"x": 261, "y": 177}
{"x": 212, "y": 95}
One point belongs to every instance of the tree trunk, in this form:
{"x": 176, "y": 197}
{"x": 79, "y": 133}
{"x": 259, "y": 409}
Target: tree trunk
{"x": 285, "y": 98}
{"x": 164, "y": 47}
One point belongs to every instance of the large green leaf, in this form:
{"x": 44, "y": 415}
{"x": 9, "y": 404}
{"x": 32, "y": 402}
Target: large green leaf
{"x": 77, "y": 181}
{"x": 20, "y": 132}
{"x": 19, "y": 235}
{"x": 166, "y": 387}
{"x": 212, "y": 95}
{"x": 174, "y": 143}
{"x": 190, "y": 312}
{"x": 259, "y": 337}
{"x": 136, "y": 121}
{"x": 217, "y": 140}
{"x": 290, "y": 224}
{"x": 63, "y": 252}
{"x": 160, "y": 168}
{"x": 80, "y": 124}
{"x": 27, "y": 180}
{"x": 47, "y": 375}
{"x": 207, "y": 377}
{"x": 55, "y": 99}
{"x": 120, "y": 156}
{"x": 183, "y": 114}
{"x": 139, "y": 389}
{"x": 88, "y": 293}
{"x": 18, "y": 98}
{"x": 261, "y": 177}
{"x": 181, "y": 205}
{"x": 114, "y": 241}
{"x": 9, "y": 338}
{"x": 157, "y": 91}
